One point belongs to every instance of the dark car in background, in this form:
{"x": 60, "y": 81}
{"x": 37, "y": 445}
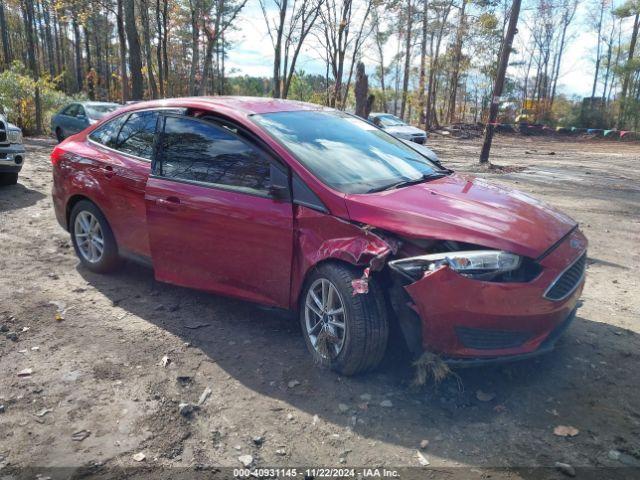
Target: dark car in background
{"x": 75, "y": 117}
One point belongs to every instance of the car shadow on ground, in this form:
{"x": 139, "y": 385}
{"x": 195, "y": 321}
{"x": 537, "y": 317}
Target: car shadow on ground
{"x": 14, "y": 197}
{"x": 585, "y": 382}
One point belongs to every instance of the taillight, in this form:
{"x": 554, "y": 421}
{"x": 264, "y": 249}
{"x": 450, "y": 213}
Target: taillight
{"x": 57, "y": 155}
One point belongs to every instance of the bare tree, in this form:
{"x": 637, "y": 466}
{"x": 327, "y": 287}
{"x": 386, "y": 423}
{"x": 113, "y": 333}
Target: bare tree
{"x": 288, "y": 32}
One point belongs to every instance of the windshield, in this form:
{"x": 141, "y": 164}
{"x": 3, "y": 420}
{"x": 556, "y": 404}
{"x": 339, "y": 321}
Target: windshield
{"x": 98, "y": 111}
{"x": 390, "y": 121}
{"x": 345, "y": 152}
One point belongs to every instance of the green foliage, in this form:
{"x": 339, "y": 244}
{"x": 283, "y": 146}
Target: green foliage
{"x": 17, "y": 96}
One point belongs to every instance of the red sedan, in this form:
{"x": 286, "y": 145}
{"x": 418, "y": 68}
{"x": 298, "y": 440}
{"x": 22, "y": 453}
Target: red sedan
{"x": 311, "y": 209}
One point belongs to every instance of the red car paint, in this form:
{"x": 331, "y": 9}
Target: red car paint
{"x": 266, "y": 247}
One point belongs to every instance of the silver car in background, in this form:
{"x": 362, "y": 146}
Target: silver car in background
{"x": 396, "y": 127}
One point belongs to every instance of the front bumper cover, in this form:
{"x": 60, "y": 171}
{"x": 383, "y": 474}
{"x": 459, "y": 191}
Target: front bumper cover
{"x": 11, "y": 158}
{"x": 546, "y": 346}
{"x": 466, "y": 320}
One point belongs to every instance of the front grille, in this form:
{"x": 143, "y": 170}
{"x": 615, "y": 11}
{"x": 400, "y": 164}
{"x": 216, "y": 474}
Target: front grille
{"x": 568, "y": 281}
{"x": 484, "y": 339}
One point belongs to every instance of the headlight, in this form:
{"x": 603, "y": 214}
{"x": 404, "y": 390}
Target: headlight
{"x": 480, "y": 264}
{"x": 14, "y": 136}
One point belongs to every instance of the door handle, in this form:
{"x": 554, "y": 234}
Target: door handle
{"x": 170, "y": 203}
{"x": 108, "y": 171}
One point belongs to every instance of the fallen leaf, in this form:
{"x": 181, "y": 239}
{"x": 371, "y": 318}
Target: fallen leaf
{"x": 25, "y": 373}
{"x": 565, "y": 431}
{"x": 80, "y": 435}
{"x": 422, "y": 459}
{"x": 139, "y": 457}
{"x": 43, "y": 412}
{"x": 165, "y": 361}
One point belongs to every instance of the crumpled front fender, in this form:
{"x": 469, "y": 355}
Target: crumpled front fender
{"x": 320, "y": 237}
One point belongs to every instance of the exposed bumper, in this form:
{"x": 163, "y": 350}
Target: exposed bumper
{"x": 11, "y": 158}
{"x": 468, "y": 321}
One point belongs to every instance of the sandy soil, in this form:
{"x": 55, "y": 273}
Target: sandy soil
{"x": 100, "y": 369}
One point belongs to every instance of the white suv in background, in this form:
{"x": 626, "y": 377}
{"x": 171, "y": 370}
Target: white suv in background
{"x": 11, "y": 152}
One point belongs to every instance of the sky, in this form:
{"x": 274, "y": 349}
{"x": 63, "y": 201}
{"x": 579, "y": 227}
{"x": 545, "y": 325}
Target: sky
{"x": 252, "y": 51}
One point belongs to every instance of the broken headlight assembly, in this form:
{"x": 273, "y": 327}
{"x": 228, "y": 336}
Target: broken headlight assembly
{"x": 487, "y": 265}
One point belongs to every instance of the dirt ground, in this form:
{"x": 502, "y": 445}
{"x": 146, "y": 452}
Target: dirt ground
{"x": 99, "y": 371}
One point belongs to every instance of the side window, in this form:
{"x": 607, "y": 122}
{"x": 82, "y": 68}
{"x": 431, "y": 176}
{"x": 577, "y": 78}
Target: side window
{"x": 194, "y": 150}
{"x": 136, "y": 135}
{"x": 71, "y": 110}
{"x": 107, "y": 134}
{"x": 81, "y": 111}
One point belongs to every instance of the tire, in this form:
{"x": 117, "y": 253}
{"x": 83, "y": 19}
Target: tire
{"x": 59, "y": 135}
{"x": 366, "y": 332}
{"x": 8, "y": 179}
{"x": 108, "y": 260}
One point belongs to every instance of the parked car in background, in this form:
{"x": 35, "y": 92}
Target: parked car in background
{"x": 12, "y": 152}
{"x": 310, "y": 209}
{"x": 75, "y": 117}
{"x": 396, "y": 127}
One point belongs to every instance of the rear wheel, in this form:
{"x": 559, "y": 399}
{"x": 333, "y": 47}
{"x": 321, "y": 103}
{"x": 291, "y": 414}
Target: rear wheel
{"x": 59, "y": 135}
{"x": 8, "y": 179}
{"x": 345, "y": 332}
{"x": 93, "y": 238}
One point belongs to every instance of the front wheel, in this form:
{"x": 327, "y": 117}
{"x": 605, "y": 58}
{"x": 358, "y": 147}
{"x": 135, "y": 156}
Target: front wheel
{"x": 345, "y": 332}
{"x": 92, "y": 238}
{"x": 59, "y": 135}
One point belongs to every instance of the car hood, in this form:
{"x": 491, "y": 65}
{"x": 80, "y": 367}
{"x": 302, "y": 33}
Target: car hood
{"x": 464, "y": 209}
{"x": 404, "y": 130}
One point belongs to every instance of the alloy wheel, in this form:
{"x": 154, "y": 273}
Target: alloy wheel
{"x": 89, "y": 236}
{"x": 325, "y": 318}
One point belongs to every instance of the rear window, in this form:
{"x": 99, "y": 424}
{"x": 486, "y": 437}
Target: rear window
{"x": 107, "y": 134}
{"x": 137, "y": 133}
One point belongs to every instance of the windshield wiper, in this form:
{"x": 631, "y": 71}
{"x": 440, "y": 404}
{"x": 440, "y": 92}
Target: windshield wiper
{"x": 406, "y": 183}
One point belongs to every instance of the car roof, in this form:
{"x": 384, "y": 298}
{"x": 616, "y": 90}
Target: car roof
{"x": 246, "y": 105}
{"x": 97, "y": 104}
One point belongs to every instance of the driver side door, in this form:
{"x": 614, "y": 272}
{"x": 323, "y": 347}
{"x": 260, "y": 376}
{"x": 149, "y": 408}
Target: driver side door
{"x": 213, "y": 223}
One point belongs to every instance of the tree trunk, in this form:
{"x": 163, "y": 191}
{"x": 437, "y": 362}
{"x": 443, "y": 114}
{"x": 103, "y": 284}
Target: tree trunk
{"x": 195, "y": 44}
{"x": 423, "y": 63}
{"x": 6, "y": 49}
{"x": 362, "y": 92}
{"x": 135, "y": 58}
{"x": 499, "y": 84}
{"x": 122, "y": 42}
{"x": 28, "y": 12}
{"x": 453, "y": 93}
{"x": 277, "y": 52}
{"x": 407, "y": 59}
{"x": 146, "y": 33}
{"x": 597, "y": 72}
{"x": 78, "y": 52}
{"x": 627, "y": 71}
{"x": 159, "y": 49}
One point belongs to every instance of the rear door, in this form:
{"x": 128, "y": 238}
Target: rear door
{"x": 213, "y": 223}
{"x": 125, "y": 147}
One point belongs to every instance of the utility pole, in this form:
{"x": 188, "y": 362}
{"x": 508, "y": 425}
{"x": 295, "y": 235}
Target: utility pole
{"x": 499, "y": 84}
